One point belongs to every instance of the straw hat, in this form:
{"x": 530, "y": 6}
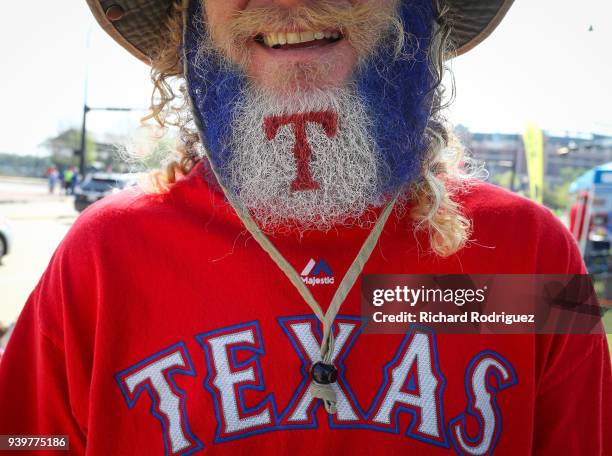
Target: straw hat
{"x": 137, "y": 24}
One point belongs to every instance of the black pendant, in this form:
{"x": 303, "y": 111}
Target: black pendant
{"x": 324, "y": 374}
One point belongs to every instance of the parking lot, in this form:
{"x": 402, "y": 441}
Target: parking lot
{"x": 39, "y": 222}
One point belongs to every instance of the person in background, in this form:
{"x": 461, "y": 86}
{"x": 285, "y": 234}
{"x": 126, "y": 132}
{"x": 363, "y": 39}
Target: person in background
{"x": 74, "y": 180}
{"x": 577, "y": 214}
{"x": 68, "y": 180}
{"x": 52, "y": 176}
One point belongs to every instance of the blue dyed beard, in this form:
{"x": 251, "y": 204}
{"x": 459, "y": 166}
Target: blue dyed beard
{"x": 396, "y": 92}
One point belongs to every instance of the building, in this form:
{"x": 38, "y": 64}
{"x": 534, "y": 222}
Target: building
{"x": 505, "y": 152}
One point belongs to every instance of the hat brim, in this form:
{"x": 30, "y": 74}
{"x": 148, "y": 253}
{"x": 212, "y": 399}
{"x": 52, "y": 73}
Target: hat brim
{"x": 141, "y": 24}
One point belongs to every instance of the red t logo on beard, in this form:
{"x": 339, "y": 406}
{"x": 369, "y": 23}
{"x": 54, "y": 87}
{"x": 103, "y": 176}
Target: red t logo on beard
{"x": 301, "y": 150}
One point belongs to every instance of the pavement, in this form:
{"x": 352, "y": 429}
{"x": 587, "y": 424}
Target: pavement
{"x": 39, "y": 222}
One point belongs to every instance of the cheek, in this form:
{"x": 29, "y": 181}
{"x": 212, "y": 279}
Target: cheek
{"x": 218, "y": 14}
{"x": 216, "y": 9}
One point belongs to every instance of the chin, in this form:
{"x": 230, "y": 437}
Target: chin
{"x": 296, "y": 80}
{"x": 285, "y": 72}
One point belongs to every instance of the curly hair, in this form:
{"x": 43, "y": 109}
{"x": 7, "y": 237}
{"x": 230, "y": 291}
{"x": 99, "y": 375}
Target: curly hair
{"x": 446, "y": 168}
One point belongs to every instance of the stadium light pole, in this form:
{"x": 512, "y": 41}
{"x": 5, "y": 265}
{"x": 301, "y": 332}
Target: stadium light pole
{"x": 82, "y": 151}
{"x": 83, "y": 147}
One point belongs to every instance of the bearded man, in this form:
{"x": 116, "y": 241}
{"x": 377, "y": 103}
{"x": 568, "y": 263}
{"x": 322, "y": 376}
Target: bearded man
{"x": 177, "y": 321}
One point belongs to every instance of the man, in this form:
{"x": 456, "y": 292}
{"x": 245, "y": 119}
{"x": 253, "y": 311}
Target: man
{"x": 52, "y": 178}
{"x": 178, "y": 322}
{"x": 68, "y": 175}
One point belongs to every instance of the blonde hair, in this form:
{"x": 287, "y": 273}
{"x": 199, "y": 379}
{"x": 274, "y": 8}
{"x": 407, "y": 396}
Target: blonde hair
{"x": 446, "y": 169}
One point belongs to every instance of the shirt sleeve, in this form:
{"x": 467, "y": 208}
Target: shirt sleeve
{"x": 573, "y": 409}
{"x": 45, "y": 372}
{"x": 574, "y": 403}
{"x": 34, "y": 393}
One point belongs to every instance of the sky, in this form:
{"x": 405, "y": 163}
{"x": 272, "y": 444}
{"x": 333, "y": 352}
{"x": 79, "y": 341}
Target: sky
{"x": 542, "y": 64}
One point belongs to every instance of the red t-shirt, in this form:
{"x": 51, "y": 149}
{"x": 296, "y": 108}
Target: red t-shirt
{"x": 161, "y": 327}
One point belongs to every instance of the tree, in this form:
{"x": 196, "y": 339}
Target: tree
{"x": 23, "y": 165}
{"x": 63, "y": 147}
{"x": 502, "y": 179}
{"x": 557, "y": 197}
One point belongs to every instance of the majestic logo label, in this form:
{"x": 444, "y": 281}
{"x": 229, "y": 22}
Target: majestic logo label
{"x": 318, "y": 273}
{"x": 412, "y": 386}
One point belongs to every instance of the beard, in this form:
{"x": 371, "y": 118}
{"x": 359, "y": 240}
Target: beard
{"x": 347, "y": 167}
{"x": 381, "y": 113}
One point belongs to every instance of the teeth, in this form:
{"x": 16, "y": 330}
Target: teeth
{"x": 281, "y": 38}
{"x": 273, "y": 39}
{"x": 293, "y": 38}
{"x": 306, "y": 36}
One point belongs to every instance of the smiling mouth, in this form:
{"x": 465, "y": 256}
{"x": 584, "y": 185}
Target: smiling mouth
{"x": 298, "y": 40}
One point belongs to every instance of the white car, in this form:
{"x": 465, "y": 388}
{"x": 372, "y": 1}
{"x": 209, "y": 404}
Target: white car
{"x": 6, "y": 237}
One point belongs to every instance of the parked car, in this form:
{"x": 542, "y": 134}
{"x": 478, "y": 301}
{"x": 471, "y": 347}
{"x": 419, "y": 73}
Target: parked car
{"x": 98, "y": 185}
{"x": 6, "y": 237}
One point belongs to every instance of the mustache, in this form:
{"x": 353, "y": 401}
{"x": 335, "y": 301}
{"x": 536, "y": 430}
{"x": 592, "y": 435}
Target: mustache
{"x": 364, "y": 25}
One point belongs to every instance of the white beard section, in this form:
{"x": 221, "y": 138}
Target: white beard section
{"x": 344, "y": 167}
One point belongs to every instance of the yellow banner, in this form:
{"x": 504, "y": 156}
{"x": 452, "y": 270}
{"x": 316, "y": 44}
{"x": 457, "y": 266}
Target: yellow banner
{"x": 534, "y": 152}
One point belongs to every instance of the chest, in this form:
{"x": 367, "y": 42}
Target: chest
{"x": 212, "y": 351}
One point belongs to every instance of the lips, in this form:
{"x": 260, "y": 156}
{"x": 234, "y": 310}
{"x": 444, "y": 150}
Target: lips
{"x": 305, "y": 57}
{"x": 297, "y": 40}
